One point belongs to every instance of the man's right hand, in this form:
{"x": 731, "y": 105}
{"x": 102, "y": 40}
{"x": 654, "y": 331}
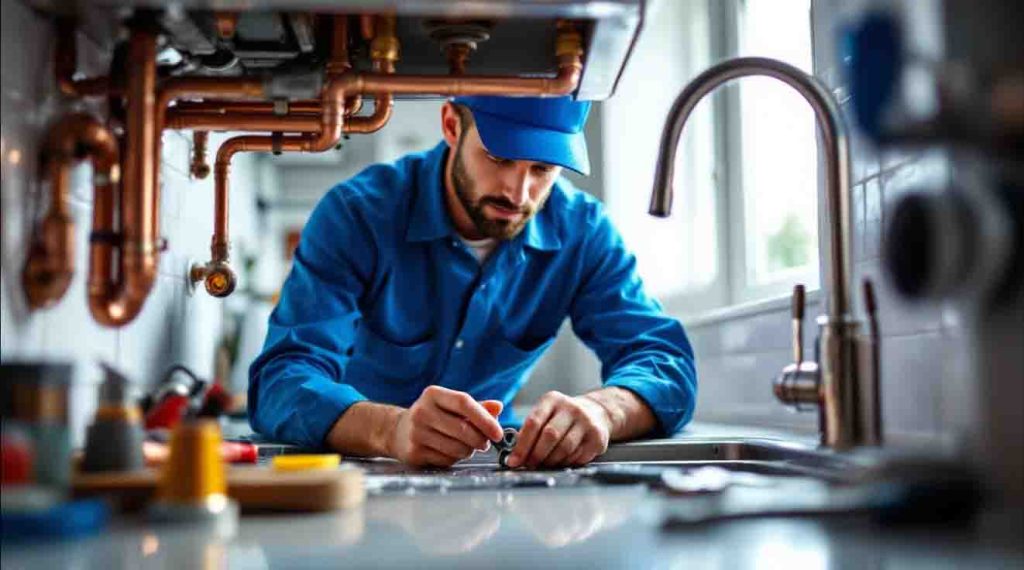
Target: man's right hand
{"x": 442, "y": 427}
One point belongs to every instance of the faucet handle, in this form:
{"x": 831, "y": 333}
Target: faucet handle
{"x": 870, "y": 303}
{"x": 799, "y": 301}
{"x": 871, "y": 375}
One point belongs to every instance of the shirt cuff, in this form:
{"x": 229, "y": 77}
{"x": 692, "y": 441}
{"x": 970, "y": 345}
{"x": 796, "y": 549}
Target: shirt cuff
{"x": 671, "y": 407}
{"x": 321, "y": 402}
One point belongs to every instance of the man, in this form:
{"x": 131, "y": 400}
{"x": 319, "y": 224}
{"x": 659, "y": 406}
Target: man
{"x": 423, "y": 288}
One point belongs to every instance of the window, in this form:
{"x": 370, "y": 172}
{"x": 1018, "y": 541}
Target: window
{"x": 744, "y": 222}
{"x": 778, "y": 156}
{"x": 677, "y": 254}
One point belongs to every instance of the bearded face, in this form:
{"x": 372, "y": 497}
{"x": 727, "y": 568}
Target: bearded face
{"x": 499, "y": 196}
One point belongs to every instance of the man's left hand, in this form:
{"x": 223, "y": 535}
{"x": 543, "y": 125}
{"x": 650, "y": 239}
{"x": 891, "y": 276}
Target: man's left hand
{"x": 562, "y": 430}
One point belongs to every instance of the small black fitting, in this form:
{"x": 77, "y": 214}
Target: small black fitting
{"x": 508, "y": 441}
{"x": 503, "y": 456}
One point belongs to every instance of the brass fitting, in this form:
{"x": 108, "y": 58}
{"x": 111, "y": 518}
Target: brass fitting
{"x": 218, "y": 278}
{"x": 568, "y": 42}
{"x": 385, "y": 45}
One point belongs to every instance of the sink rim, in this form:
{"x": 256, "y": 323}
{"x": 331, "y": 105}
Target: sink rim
{"x": 783, "y": 456}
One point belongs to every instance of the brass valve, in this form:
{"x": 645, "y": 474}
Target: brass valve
{"x": 218, "y": 277}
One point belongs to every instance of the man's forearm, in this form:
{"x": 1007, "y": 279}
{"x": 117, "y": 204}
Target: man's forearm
{"x": 629, "y": 416}
{"x": 365, "y": 429}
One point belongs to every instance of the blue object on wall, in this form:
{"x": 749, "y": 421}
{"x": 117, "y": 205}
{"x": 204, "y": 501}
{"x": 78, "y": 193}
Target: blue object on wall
{"x": 873, "y": 53}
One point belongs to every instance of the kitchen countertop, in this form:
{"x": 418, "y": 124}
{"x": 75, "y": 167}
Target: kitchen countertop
{"x": 588, "y": 526}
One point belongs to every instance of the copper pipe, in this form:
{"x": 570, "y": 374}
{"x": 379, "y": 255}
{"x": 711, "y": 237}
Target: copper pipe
{"x": 256, "y": 117}
{"x": 353, "y": 103}
{"x": 51, "y": 260}
{"x": 257, "y": 122}
{"x": 372, "y": 123}
{"x": 217, "y": 273}
{"x": 562, "y": 84}
{"x": 66, "y": 64}
{"x": 218, "y": 276}
{"x": 382, "y": 106}
{"x": 339, "y": 59}
{"x": 220, "y": 107}
{"x": 199, "y": 167}
{"x": 237, "y": 87}
{"x": 366, "y": 26}
{"x": 181, "y": 87}
{"x": 333, "y": 107}
{"x": 116, "y": 299}
{"x": 332, "y": 121}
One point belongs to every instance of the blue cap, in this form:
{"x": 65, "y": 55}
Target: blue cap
{"x": 542, "y": 129}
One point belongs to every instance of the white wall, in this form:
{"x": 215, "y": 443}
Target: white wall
{"x": 174, "y": 326}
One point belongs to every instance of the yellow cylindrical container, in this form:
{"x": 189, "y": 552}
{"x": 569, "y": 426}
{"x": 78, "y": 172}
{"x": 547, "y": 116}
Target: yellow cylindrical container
{"x": 193, "y": 483}
{"x": 194, "y": 472}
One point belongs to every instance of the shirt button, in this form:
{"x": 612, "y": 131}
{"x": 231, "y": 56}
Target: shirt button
{"x": 459, "y": 343}
{"x": 483, "y": 287}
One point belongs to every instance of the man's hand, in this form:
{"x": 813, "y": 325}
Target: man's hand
{"x": 562, "y": 430}
{"x": 443, "y": 426}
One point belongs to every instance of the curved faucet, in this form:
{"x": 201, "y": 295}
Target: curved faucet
{"x": 843, "y": 383}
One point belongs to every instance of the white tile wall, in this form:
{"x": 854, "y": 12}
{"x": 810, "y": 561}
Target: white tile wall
{"x": 173, "y": 326}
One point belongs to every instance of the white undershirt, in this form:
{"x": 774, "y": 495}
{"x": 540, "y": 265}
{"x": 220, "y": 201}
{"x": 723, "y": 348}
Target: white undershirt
{"x": 481, "y": 248}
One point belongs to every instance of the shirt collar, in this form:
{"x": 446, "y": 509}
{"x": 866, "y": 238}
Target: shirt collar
{"x": 430, "y": 219}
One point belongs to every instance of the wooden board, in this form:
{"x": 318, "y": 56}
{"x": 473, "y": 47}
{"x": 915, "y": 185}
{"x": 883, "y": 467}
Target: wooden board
{"x": 255, "y": 488}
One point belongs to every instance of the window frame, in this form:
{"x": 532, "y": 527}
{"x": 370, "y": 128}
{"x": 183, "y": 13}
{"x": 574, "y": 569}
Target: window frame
{"x": 731, "y": 290}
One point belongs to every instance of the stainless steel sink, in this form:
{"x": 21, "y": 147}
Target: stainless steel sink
{"x": 765, "y": 456}
{"x": 753, "y": 455}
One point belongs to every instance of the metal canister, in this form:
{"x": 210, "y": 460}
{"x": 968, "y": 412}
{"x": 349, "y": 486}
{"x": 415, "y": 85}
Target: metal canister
{"x": 34, "y": 398}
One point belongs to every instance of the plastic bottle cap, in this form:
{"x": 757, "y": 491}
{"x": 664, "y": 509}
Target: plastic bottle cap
{"x": 305, "y": 462}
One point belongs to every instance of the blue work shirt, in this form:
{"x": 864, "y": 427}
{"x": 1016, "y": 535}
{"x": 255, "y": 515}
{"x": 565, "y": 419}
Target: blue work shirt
{"x": 384, "y": 299}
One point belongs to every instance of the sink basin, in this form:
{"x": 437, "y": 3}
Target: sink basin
{"x": 632, "y": 462}
{"x": 763, "y": 456}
